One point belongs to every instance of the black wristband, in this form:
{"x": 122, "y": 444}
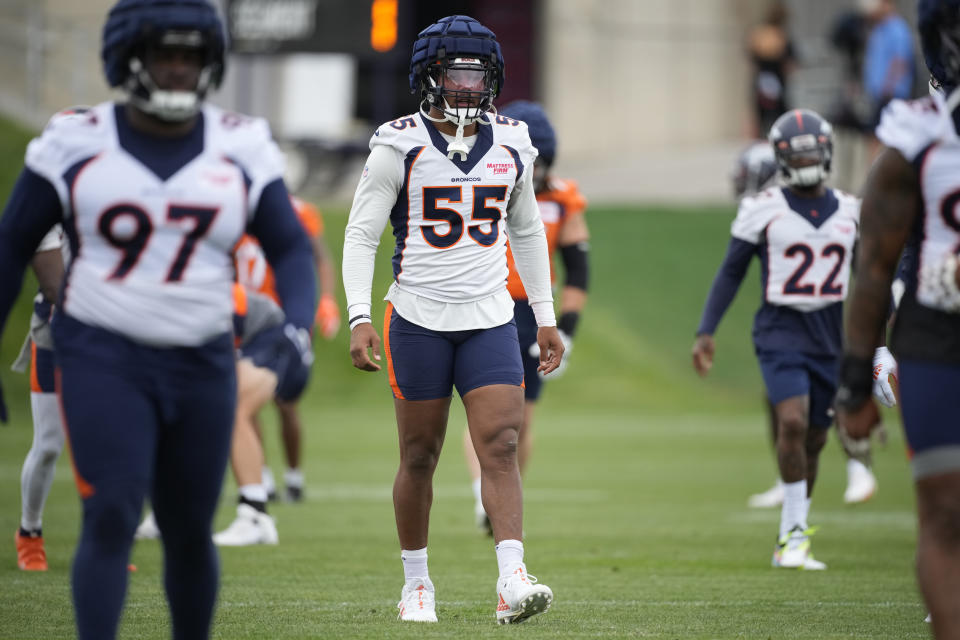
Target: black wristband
{"x": 568, "y": 322}
{"x": 856, "y": 382}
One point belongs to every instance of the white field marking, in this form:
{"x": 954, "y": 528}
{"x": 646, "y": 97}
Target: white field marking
{"x": 354, "y": 492}
{"x": 336, "y": 606}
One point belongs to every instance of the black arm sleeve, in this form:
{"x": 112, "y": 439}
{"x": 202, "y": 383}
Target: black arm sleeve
{"x": 575, "y": 265}
{"x": 288, "y": 251}
{"x": 726, "y": 284}
{"x": 31, "y": 211}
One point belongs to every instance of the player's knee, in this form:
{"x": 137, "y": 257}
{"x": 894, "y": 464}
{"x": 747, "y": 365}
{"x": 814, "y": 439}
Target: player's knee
{"x": 940, "y": 517}
{"x": 419, "y": 457}
{"x": 111, "y": 518}
{"x": 816, "y": 440}
{"x": 502, "y": 447}
{"x": 792, "y": 427}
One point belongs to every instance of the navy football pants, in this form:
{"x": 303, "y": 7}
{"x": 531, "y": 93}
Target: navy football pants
{"x": 145, "y": 421}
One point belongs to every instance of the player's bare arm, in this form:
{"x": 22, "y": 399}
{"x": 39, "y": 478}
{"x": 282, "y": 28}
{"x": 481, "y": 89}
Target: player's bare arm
{"x": 363, "y": 341}
{"x": 887, "y": 215}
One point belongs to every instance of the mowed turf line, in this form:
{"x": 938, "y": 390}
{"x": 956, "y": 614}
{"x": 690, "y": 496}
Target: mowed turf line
{"x": 635, "y": 497}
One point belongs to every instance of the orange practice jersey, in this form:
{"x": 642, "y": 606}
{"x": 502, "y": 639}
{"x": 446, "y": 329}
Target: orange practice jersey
{"x": 253, "y": 272}
{"x": 561, "y": 201}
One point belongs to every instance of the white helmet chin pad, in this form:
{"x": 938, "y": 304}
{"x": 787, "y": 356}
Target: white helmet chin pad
{"x": 805, "y": 176}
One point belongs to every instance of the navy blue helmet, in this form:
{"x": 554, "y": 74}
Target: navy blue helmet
{"x": 939, "y": 24}
{"x": 803, "y": 145}
{"x": 541, "y": 131}
{"x": 133, "y": 25}
{"x": 457, "y": 60}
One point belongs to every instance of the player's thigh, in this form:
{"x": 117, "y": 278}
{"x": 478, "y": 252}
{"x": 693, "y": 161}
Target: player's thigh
{"x": 488, "y": 357}
{"x": 193, "y": 448}
{"x": 255, "y": 386}
{"x": 930, "y": 405}
{"x": 823, "y": 372}
{"x": 111, "y": 423}
{"x": 420, "y": 361}
{"x": 784, "y": 374}
{"x": 527, "y": 336}
{"x": 493, "y": 409}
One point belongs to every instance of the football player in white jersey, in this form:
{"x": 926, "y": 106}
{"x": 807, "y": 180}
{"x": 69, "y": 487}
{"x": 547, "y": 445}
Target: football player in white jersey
{"x": 756, "y": 170}
{"x": 153, "y": 193}
{"x": 803, "y": 234}
{"x": 453, "y": 179}
{"x": 36, "y": 477}
{"x": 911, "y": 199}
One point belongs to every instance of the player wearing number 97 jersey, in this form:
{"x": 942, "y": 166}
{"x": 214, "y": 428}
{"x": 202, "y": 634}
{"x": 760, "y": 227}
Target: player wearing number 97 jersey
{"x": 153, "y": 194}
{"x": 804, "y": 234}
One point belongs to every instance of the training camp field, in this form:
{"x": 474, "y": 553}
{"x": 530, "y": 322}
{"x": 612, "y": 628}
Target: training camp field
{"x": 635, "y": 499}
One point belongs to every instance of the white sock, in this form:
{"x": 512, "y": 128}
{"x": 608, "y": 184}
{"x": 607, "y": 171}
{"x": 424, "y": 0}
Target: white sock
{"x": 414, "y": 563}
{"x": 510, "y": 556}
{"x": 854, "y": 467}
{"x": 293, "y": 478}
{"x": 476, "y": 491}
{"x": 36, "y": 478}
{"x": 806, "y": 514}
{"x": 794, "y": 499}
{"x": 267, "y": 479}
{"x": 254, "y": 492}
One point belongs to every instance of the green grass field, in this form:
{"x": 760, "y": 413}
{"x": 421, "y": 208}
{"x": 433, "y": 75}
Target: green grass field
{"x": 635, "y": 500}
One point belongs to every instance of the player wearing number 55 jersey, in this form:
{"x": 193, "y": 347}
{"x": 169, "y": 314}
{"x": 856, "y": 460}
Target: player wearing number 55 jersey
{"x": 153, "y": 194}
{"x": 804, "y": 234}
{"x": 453, "y": 179}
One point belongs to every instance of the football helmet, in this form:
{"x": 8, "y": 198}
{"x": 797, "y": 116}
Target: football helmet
{"x": 938, "y": 22}
{"x": 456, "y": 67}
{"x": 134, "y": 25}
{"x": 756, "y": 169}
{"x": 541, "y": 131}
{"x": 802, "y": 143}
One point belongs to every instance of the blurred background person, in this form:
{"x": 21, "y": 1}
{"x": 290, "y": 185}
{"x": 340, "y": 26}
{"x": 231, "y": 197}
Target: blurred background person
{"x": 772, "y": 54}
{"x": 888, "y": 62}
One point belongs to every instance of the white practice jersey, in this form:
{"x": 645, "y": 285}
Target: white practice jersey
{"x": 450, "y": 220}
{"x": 152, "y": 256}
{"x": 807, "y": 257}
{"x": 449, "y": 223}
{"x": 923, "y": 132}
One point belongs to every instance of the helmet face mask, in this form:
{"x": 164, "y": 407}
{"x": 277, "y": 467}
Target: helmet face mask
{"x": 166, "y": 54}
{"x": 463, "y": 89}
{"x": 803, "y": 146}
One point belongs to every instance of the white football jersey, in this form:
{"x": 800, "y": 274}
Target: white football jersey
{"x": 152, "y": 256}
{"x": 807, "y": 260}
{"x": 923, "y": 132}
{"x": 449, "y": 219}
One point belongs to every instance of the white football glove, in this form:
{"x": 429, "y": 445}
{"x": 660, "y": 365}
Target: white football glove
{"x": 534, "y": 352}
{"x": 884, "y": 366}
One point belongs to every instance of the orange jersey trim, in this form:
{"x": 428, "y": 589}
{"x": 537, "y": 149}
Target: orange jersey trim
{"x": 84, "y": 488}
{"x": 34, "y": 380}
{"x": 391, "y": 374}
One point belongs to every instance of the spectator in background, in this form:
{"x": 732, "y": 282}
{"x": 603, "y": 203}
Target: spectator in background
{"x": 772, "y": 55}
{"x": 888, "y": 65}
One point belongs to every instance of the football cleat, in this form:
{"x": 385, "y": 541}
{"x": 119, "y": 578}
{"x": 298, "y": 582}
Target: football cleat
{"x": 772, "y": 497}
{"x": 294, "y": 494}
{"x": 31, "y": 555}
{"x": 861, "y": 483}
{"x": 250, "y": 527}
{"x": 418, "y": 602}
{"x": 793, "y": 551}
{"x": 148, "y": 529}
{"x": 519, "y": 597}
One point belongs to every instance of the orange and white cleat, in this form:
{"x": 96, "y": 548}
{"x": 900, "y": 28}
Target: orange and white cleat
{"x": 418, "y": 601}
{"x": 519, "y": 597}
{"x": 31, "y": 555}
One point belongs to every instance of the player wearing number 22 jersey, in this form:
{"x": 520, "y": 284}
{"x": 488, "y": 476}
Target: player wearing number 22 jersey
{"x": 804, "y": 234}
